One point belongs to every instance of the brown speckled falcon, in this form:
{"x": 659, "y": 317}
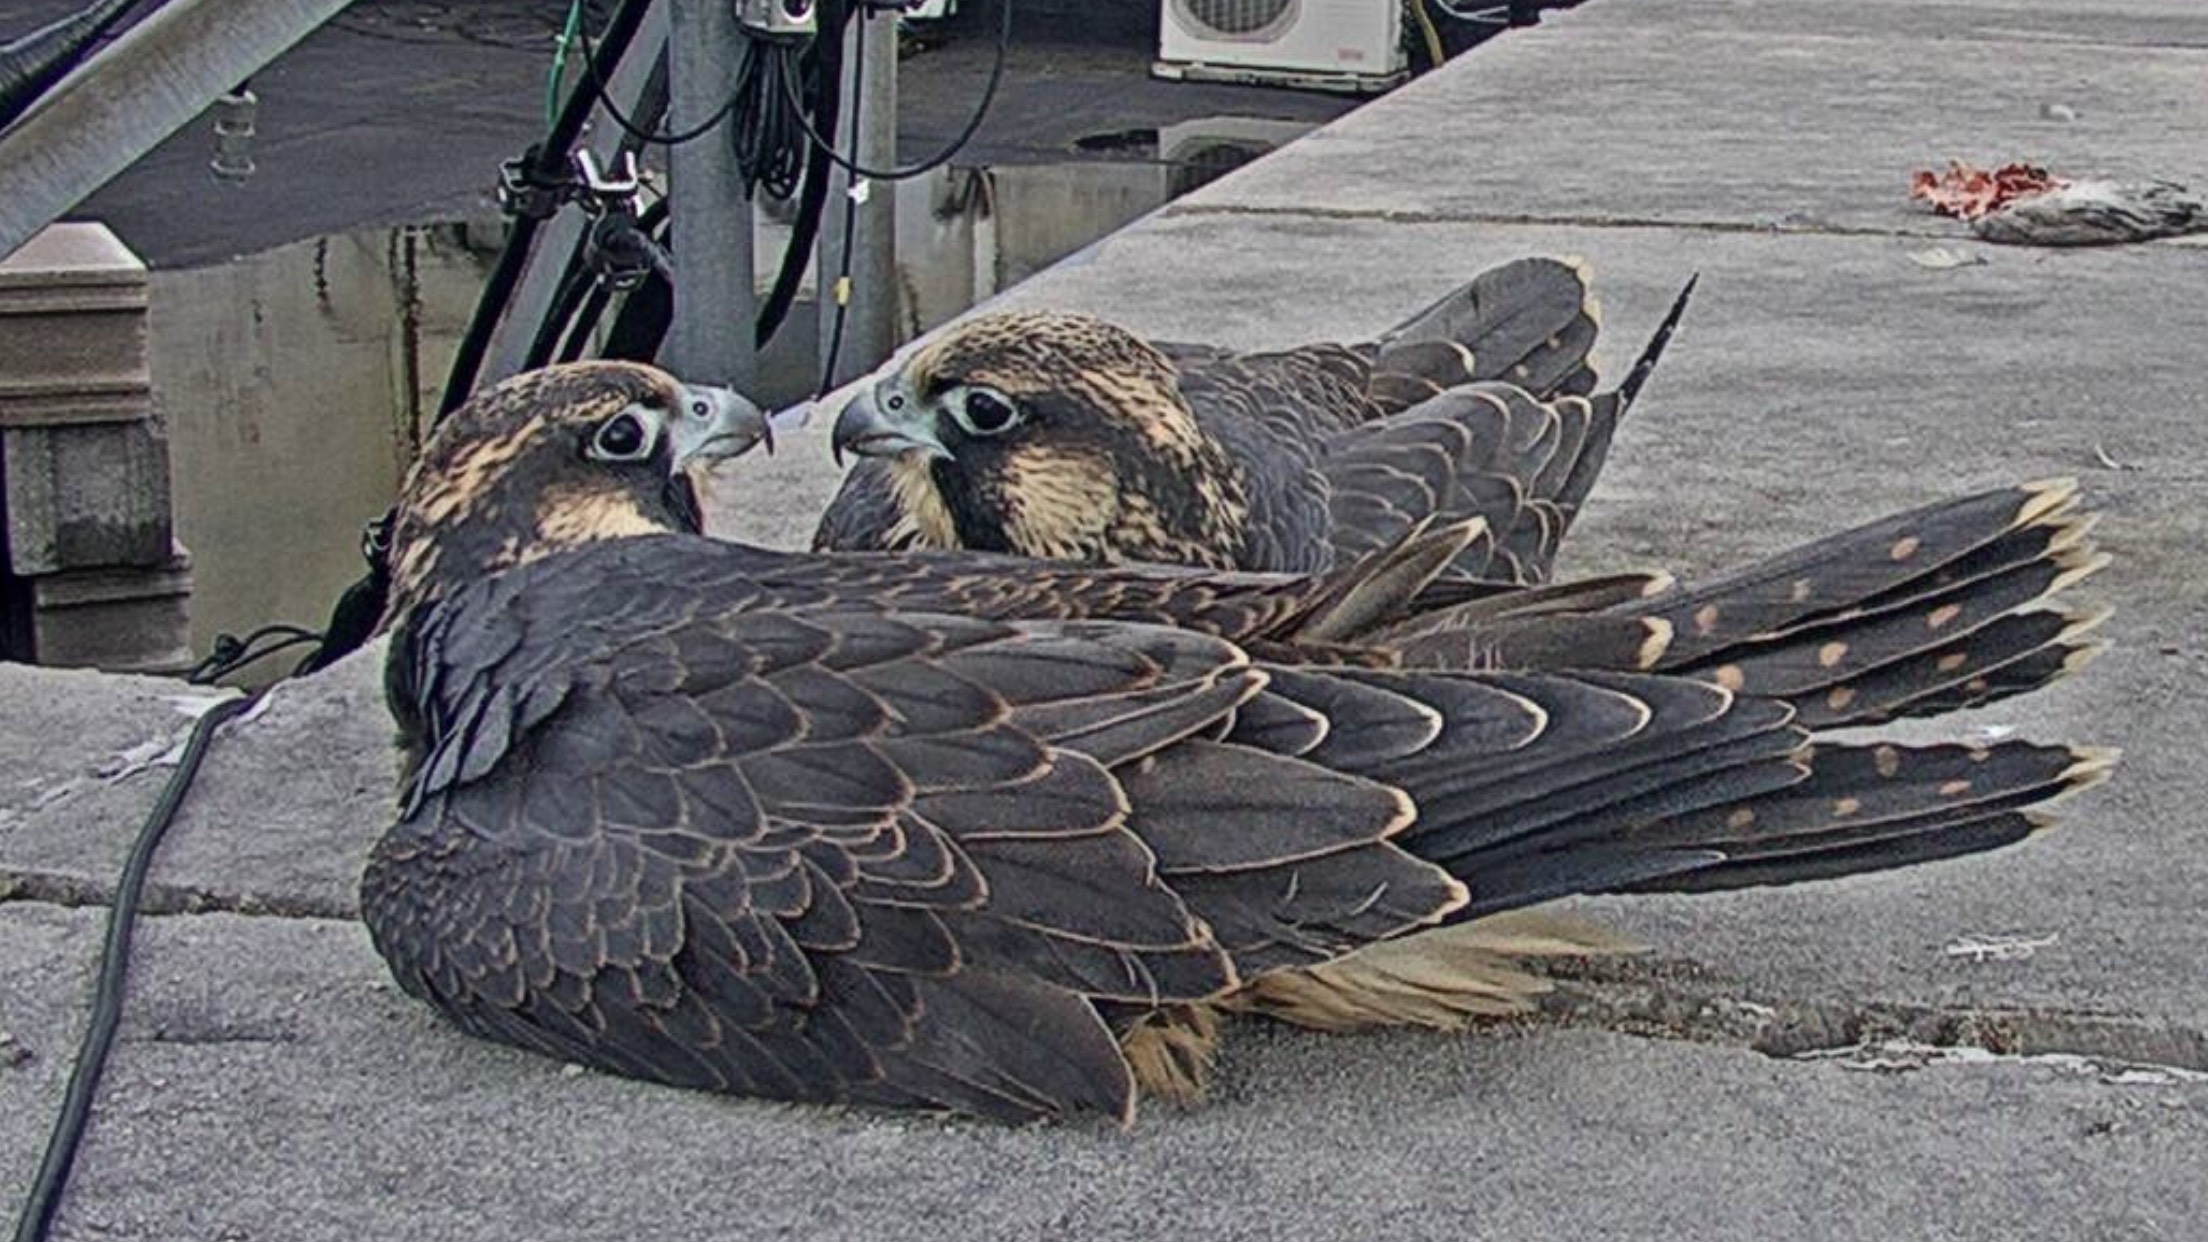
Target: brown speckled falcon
{"x": 981, "y": 834}
{"x": 1065, "y": 437}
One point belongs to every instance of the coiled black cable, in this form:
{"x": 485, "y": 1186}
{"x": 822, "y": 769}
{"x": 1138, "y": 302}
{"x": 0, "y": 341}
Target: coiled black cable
{"x": 770, "y": 143}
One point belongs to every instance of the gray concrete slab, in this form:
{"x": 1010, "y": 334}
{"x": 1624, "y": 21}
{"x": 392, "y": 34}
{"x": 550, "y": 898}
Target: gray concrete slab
{"x": 2166, "y": 24}
{"x": 280, "y": 817}
{"x": 269, "y": 1084}
{"x": 1689, "y": 115}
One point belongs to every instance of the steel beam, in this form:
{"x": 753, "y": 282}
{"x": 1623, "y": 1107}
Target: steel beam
{"x": 152, "y": 81}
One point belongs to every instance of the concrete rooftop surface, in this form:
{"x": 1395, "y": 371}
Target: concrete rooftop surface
{"x": 2014, "y": 1046}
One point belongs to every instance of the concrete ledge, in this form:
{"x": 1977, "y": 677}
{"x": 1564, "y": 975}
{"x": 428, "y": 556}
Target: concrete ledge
{"x": 318, "y": 1103}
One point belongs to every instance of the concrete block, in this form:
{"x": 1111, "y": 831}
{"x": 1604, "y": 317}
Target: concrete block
{"x": 85, "y": 495}
{"x": 73, "y": 330}
{"x": 122, "y": 620}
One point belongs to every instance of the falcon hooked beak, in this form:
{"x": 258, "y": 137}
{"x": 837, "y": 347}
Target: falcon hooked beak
{"x": 890, "y": 421}
{"x": 716, "y": 424}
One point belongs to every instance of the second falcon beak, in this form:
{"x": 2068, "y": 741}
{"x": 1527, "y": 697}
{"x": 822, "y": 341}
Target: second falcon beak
{"x": 886, "y": 422}
{"x": 717, "y": 423}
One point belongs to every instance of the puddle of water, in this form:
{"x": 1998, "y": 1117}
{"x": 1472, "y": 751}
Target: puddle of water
{"x": 296, "y": 383}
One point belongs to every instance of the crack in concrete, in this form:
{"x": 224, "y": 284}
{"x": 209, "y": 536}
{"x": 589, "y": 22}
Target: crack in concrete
{"x": 1791, "y": 225}
{"x": 214, "y": 1037}
{"x": 1683, "y": 1001}
{"x": 77, "y": 892}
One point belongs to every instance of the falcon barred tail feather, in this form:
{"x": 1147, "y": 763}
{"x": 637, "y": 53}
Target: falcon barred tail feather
{"x": 969, "y": 833}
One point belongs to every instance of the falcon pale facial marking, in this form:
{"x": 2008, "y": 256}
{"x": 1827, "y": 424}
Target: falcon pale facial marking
{"x": 557, "y": 457}
{"x": 1055, "y": 435}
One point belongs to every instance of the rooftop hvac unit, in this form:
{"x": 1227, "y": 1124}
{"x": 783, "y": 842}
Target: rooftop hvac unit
{"x": 1340, "y": 45}
{"x": 1201, "y": 151}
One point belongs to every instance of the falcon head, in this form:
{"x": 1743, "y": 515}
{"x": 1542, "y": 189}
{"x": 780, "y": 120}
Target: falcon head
{"x": 1050, "y": 435}
{"x": 553, "y": 458}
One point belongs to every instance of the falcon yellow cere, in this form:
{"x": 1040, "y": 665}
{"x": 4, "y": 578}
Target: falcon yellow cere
{"x": 961, "y": 832}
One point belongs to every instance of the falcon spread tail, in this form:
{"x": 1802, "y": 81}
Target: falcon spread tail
{"x": 1948, "y": 606}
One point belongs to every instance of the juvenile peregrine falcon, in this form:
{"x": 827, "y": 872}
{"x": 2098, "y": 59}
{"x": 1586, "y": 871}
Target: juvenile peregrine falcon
{"x": 1066, "y": 437}
{"x": 962, "y": 832}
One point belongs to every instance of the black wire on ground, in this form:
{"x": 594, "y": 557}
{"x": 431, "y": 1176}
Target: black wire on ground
{"x": 232, "y": 653}
{"x": 52, "y": 1179}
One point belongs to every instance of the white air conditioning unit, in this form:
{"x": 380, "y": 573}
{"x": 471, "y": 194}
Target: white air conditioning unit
{"x": 930, "y": 10}
{"x": 1342, "y": 45}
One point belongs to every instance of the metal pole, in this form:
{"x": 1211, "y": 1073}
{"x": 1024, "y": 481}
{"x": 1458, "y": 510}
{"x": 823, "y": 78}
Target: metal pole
{"x": 711, "y": 339}
{"x": 870, "y": 320}
{"x": 145, "y": 86}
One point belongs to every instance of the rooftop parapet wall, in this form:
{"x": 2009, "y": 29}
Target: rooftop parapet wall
{"x": 92, "y": 575}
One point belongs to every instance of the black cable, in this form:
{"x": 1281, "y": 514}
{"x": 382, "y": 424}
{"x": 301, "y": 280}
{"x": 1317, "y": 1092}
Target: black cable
{"x": 585, "y": 293}
{"x": 950, "y": 149}
{"x": 550, "y": 160}
{"x": 33, "y": 64}
{"x": 842, "y": 289}
{"x": 812, "y": 196}
{"x": 232, "y": 653}
{"x": 575, "y": 287}
{"x": 578, "y": 322}
{"x": 642, "y": 324}
{"x": 769, "y": 146}
{"x": 642, "y": 133}
{"x": 577, "y": 336}
{"x": 107, "y": 995}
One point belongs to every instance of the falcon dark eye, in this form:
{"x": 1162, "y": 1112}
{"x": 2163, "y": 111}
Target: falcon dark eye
{"x": 984, "y": 413}
{"x": 621, "y": 438}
